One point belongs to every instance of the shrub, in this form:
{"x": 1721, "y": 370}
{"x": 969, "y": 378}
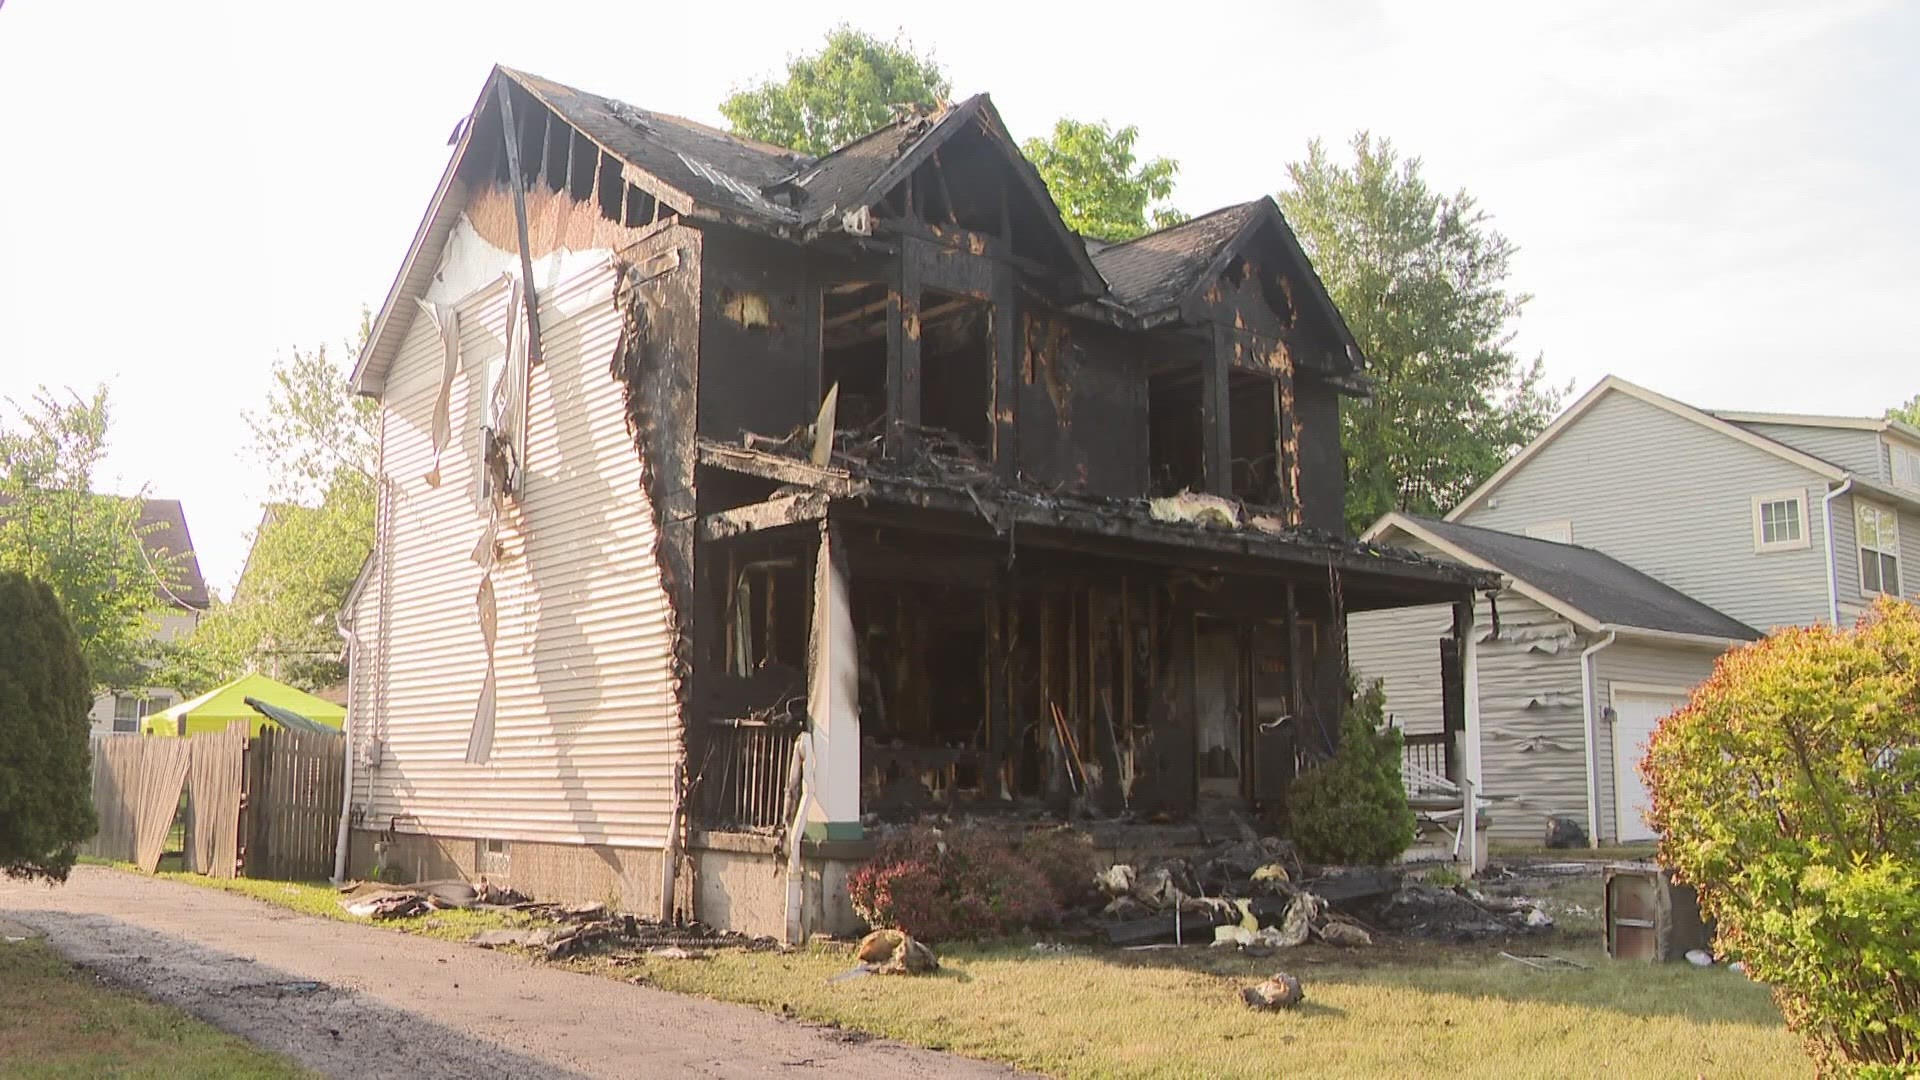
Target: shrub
{"x": 46, "y": 769}
{"x": 1066, "y": 858}
{"x": 1353, "y": 808}
{"x": 940, "y": 886}
{"x": 1787, "y": 792}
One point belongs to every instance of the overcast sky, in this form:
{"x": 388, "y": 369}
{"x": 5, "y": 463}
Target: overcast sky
{"x": 1716, "y": 200}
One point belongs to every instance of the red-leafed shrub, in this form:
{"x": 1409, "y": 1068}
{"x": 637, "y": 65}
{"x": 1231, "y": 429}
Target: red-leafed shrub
{"x": 1787, "y": 792}
{"x": 964, "y": 883}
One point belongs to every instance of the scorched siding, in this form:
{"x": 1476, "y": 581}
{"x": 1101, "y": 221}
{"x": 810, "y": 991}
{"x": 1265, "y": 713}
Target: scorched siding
{"x": 587, "y": 722}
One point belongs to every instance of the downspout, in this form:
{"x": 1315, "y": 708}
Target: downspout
{"x": 346, "y": 730}
{"x": 1588, "y": 691}
{"x": 1833, "y": 570}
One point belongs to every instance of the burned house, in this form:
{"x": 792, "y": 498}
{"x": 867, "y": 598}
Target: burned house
{"x": 731, "y": 498}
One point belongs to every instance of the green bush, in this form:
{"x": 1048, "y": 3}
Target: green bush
{"x": 1353, "y": 808}
{"x": 1787, "y": 792}
{"x": 46, "y": 769}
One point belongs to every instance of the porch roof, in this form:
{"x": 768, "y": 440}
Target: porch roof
{"x": 1372, "y": 575}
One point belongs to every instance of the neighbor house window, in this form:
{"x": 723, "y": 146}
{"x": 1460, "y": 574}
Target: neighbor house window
{"x": 1878, "y": 533}
{"x": 1780, "y": 521}
{"x": 126, "y": 712}
{"x": 1906, "y": 467}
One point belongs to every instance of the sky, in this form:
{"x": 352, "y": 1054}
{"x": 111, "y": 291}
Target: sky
{"x": 1714, "y": 199}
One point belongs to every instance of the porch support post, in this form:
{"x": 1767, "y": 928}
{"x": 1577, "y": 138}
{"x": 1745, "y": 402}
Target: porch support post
{"x": 1463, "y": 621}
{"x": 833, "y": 701}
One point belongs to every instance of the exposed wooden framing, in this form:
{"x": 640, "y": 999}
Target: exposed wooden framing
{"x": 546, "y": 141}
{"x": 1126, "y": 656}
{"x": 946, "y": 193}
{"x": 1073, "y": 656}
{"x": 1007, "y": 341}
{"x": 856, "y": 314}
{"x": 1289, "y": 511}
{"x": 827, "y": 480}
{"x": 1217, "y": 415}
{"x": 1046, "y": 672}
{"x": 903, "y": 362}
{"x": 780, "y": 510}
{"x": 573, "y": 139}
{"x": 519, "y": 188}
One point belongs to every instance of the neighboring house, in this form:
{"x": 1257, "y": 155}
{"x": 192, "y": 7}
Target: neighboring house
{"x": 620, "y": 588}
{"x": 179, "y": 605}
{"x": 1574, "y": 634}
{"x": 1765, "y": 519}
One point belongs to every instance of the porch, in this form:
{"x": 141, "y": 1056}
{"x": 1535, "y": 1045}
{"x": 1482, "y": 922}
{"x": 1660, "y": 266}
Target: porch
{"x": 923, "y": 649}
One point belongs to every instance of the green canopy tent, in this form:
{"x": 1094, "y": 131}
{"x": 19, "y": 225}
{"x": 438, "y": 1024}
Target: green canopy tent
{"x": 215, "y": 709}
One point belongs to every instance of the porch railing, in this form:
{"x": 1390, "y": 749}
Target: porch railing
{"x": 743, "y": 777}
{"x": 1431, "y": 752}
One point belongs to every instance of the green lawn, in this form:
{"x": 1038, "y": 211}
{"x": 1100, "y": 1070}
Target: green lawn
{"x": 57, "y": 1020}
{"x": 1399, "y": 1009}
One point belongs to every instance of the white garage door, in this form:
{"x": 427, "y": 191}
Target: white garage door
{"x": 1635, "y": 715}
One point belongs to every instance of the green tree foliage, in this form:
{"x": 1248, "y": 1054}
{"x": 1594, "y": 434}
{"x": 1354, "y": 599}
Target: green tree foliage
{"x": 1908, "y": 413}
{"x": 317, "y": 439}
{"x": 848, "y": 89}
{"x": 1421, "y": 278}
{"x": 46, "y": 772}
{"x": 1787, "y": 792}
{"x": 54, "y": 528}
{"x": 1353, "y": 808}
{"x": 1101, "y": 190}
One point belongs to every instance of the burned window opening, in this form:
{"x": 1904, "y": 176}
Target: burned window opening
{"x": 1176, "y": 433}
{"x": 853, "y": 348}
{"x": 766, "y": 617}
{"x": 1254, "y": 434}
{"x": 956, "y": 373}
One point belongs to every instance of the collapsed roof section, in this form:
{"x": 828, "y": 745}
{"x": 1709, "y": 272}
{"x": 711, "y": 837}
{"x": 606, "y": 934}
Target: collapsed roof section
{"x": 642, "y": 166}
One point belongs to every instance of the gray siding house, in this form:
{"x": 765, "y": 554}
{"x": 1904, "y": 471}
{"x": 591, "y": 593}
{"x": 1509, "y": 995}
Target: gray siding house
{"x": 1758, "y": 520}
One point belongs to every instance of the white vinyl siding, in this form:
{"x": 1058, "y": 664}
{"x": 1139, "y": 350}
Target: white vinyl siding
{"x": 1532, "y": 746}
{"x": 587, "y": 723}
{"x": 1856, "y": 450}
{"x": 1673, "y": 499}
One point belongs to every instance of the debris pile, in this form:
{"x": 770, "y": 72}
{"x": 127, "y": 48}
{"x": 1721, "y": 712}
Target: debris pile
{"x": 371, "y": 899}
{"x": 1254, "y": 894}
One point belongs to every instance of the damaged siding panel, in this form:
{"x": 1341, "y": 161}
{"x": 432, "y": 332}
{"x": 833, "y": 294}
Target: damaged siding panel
{"x": 1323, "y": 465}
{"x": 1532, "y": 737}
{"x": 587, "y": 725}
{"x": 1643, "y": 665}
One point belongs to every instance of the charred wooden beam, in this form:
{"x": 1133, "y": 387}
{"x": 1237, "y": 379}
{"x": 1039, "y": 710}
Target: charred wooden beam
{"x": 518, "y": 185}
{"x": 790, "y": 509}
{"x": 830, "y": 481}
{"x": 1006, "y": 388}
{"x": 1216, "y": 412}
{"x": 903, "y": 362}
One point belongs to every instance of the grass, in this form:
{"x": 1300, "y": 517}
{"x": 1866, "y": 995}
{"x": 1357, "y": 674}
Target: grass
{"x": 1400, "y": 1009}
{"x": 1176, "y": 1015}
{"x": 57, "y": 1020}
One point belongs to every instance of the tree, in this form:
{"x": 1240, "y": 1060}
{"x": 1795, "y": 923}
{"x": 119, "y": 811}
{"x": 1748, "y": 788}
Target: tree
{"x": 1787, "y": 792}
{"x": 1421, "y": 279}
{"x": 1908, "y": 413}
{"x": 1101, "y": 192}
{"x": 46, "y": 773}
{"x": 85, "y": 546}
{"x": 829, "y": 98}
{"x": 317, "y": 439}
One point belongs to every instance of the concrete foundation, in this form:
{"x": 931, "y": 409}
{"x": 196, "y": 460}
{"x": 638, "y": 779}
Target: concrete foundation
{"x": 732, "y": 881}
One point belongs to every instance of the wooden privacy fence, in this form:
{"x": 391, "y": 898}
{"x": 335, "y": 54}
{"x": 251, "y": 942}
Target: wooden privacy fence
{"x": 266, "y": 806}
{"x": 292, "y": 807}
